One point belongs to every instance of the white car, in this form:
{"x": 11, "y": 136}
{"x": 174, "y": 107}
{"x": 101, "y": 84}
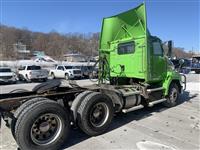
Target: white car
{"x": 32, "y": 72}
{"x": 64, "y": 71}
{"x": 7, "y": 76}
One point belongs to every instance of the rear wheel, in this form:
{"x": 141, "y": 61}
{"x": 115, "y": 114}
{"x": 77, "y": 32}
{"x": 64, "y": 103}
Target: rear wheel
{"x": 21, "y": 108}
{"x": 67, "y": 76}
{"x": 95, "y": 114}
{"x": 172, "y": 96}
{"x": 42, "y": 125}
{"x": 77, "y": 102}
{"x": 52, "y": 76}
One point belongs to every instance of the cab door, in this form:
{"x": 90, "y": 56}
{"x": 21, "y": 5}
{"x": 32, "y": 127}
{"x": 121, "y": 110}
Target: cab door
{"x": 127, "y": 60}
{"x": 60, "y": 72}
{"x": 159, "y": 66}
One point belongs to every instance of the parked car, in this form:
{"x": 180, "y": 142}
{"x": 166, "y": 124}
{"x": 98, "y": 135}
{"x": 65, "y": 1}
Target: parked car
{"x": 196, "y": 64}
{"x": 67, "y": 72}
{"x": 186, "y": 66}
{"x": 7, "y": 76}
{"x": 32, "y": 72}
{"x": 94, "y": 73}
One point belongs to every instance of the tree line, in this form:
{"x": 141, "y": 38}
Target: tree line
{"x": 54, "y": 44}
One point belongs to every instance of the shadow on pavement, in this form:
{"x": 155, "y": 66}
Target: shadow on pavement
{"x": 77, "y": 136}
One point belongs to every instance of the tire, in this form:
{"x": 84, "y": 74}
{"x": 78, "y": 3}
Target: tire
{"x": 21, "y": 77}
{"x": 52, "y": 76}
{"x": 27, "y": 79}
{"x": 77, "y": 102}
{"x": 173, "y": 96}
{"x": 91, "y": 123}
{"x": 66, "y": 76}
{"x": 21, "y": 108}
{"x": 91, "y": 76}
{"x": 35, "y": 122}
{"x": 44, "y": 79}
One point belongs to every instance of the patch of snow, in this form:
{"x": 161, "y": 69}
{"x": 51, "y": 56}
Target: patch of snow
{"x": 149, "y": 145}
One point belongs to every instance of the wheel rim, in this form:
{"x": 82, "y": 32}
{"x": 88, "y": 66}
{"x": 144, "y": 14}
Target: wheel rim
{"x": 173, "y": 95}
{"x": 27, "y": 79}
{"x": 46, "y": 129}
{"x": 66, "y": 77}
{"x": 52, "y": 76}
{"x": 99, "y": 114}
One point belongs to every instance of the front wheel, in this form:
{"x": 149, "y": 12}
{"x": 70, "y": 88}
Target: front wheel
{"x": 95, "y": 113}
{"x": 172, "y": 96}
{"x": 27, "y": 79}
{"x": 67, "y": 76}
{"x": 42, "y": 125}
{"x": 21, "y": 77}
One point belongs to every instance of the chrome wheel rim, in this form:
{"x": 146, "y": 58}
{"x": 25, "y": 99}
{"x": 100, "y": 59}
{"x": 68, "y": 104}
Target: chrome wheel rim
{"x": 173, "y": 95}
{"x": 52, "y": 76}
{"x": 99, "y": 114}
{"x": 46, "y": 129}
{"x": 66, "y": 77}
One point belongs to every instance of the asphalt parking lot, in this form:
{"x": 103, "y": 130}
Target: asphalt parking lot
{"x": 158, "y": 128}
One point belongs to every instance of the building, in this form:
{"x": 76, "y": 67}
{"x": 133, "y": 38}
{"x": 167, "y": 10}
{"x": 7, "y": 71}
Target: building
{"x": 75, "y": 58}
{"x": 22, "y": 52}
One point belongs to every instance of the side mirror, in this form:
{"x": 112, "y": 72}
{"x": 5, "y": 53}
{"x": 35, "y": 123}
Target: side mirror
{"x": 181, "y": 62}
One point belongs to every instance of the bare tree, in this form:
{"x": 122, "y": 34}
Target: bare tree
{"x": 56, "y": 44}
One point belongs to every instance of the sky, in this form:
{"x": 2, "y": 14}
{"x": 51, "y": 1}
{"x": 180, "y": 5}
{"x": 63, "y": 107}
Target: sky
{"x": 176, "y": 20}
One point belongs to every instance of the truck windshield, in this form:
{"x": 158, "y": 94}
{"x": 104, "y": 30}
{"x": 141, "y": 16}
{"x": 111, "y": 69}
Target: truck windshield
{"x": 5, "y": 70}
{"x": 33, "y": 68}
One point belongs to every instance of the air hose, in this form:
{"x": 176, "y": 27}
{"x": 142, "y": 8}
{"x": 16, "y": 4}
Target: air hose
{"x": 103, "y": 70}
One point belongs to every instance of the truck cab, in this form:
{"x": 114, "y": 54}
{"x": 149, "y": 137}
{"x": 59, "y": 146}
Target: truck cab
{"x": 132, "y": 55}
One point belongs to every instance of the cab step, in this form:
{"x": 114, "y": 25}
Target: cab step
{"x": 132, "y": 108}
{"x": 155, "y": 89}
{"x": 151, "y": 104}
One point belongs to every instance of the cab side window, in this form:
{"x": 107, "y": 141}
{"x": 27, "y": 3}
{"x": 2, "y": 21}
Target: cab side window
{"x": 157, "y": 49}
{"x": 22, "y": 68}
{"x": 126, "y": 48}
{"x": 60, "y": 68}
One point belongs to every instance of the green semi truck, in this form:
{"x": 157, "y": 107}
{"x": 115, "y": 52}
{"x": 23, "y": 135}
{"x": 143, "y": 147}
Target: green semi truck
{"x": 133, "y": 74}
